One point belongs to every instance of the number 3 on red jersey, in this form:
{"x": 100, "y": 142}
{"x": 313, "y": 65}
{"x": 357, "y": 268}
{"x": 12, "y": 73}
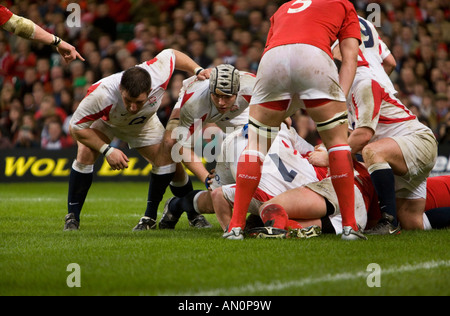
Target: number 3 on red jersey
{"x": 305, "y": 5}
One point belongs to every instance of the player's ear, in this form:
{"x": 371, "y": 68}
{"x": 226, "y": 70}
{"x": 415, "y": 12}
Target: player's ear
{"x": 121, "y": 89}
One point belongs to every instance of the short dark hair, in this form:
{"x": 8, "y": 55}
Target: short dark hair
{"x": 136, "y": 81}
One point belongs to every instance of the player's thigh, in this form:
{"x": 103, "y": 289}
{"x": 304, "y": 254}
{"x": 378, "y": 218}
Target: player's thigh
{"x": 419, "y": 151}
{"x": 326, "y": 111}
{"x": 301, "y": 203}
{"x": 386, "y": 150}
{"x": 331, "y": 120}
{"x": 267, "y": 116}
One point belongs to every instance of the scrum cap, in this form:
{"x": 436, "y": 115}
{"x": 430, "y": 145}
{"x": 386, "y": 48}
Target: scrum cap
{"x": 224, "y": 80}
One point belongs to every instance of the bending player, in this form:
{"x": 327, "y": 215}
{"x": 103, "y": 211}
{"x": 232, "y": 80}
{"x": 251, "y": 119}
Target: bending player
{"x": 222, "y": 100}
{"x": 123, "y": 105}
{"x": 398, "y": 150}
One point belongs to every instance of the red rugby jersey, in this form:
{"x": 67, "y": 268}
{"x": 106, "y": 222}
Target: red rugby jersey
{"x": 318, "y": 23}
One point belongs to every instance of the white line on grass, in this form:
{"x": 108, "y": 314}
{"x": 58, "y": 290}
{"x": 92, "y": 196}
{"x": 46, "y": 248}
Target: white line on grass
{"x": 279, "y": 285}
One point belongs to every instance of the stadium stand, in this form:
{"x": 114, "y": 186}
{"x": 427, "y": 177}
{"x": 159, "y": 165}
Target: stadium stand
{"x": 36, "y": 86}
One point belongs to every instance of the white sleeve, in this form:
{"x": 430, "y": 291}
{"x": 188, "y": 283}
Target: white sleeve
{"x": 96, "y": 105}
{"x": 161, "y": 68}
{"x": 384, "y": 50}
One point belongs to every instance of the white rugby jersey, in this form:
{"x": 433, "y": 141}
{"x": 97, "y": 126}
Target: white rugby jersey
{"x": 195, "y": 103}
{"x": 104, "y": 100}
{"x": 286, "y": 165}
{"x": 372, "y": 52}
{"x": 371, "y": 101}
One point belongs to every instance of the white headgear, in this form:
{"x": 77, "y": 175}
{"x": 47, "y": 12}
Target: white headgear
{"x": 224, "y": 80}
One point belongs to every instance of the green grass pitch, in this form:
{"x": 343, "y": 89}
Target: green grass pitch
{"x": 35, "y": 253}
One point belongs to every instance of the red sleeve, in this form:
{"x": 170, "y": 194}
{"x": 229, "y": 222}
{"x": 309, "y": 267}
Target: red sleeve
{"x": 350, "y": 26}
{"x": 5, "y": 15}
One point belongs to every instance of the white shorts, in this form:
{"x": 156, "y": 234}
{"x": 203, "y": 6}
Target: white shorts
{"x": 151, "y": 133}
{"x": 325, "y": 188}
{"x": 295, "y": 71}
{"x": 223, "y": 175}
{"x": 419, "y": 151}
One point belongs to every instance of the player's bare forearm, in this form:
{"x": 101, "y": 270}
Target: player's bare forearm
{"x": 89, "y": 137}
{"x": 97, "y": 141}
{"x": 389, "y": 64}
{"x": 349, "y": 48}
{"x": 185, "y": 63}
{"x": 194, "y": 164}
{"x": 359, "y": 138}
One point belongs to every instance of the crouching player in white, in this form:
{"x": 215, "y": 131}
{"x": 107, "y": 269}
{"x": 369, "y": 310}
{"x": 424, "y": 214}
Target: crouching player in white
{"x": 222, "y": 100}
{"x": 124, "y": 105}
{"x": 398, "y": 150}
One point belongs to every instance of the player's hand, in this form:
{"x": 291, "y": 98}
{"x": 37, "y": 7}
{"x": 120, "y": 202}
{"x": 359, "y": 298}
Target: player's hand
{"x": 209, "y": 179}
{"x": 68, "y": 52}
{"x": 204, "y": 74}
{"x": 117, "y": 160}
{"x": 318, "y": 158}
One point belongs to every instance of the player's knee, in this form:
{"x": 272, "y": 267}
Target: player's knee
{"x": 372, "y": 154}
{"x": 216, "y": 193}
{"x": 217, "y": 198}
{"x": 86, "y": 155}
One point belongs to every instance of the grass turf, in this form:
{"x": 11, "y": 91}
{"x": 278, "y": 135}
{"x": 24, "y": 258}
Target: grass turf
{"x": 35, "y": 253}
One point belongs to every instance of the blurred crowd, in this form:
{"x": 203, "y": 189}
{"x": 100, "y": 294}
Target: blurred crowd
{"x": 39, "y": 92}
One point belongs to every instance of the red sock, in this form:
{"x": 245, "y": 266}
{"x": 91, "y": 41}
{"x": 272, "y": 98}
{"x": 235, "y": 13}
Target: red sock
{"x": 275, "y": 213}
{"x": 247, "y": 179}
{"x": 291, "y": 224}
{"x": 341, "y": 170}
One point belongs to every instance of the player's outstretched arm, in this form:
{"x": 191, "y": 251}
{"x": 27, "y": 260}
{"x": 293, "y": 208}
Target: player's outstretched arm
{"x": 27, "y": 29}
{"x": 185, "y": 63}
{"x": 67, "y": 51}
